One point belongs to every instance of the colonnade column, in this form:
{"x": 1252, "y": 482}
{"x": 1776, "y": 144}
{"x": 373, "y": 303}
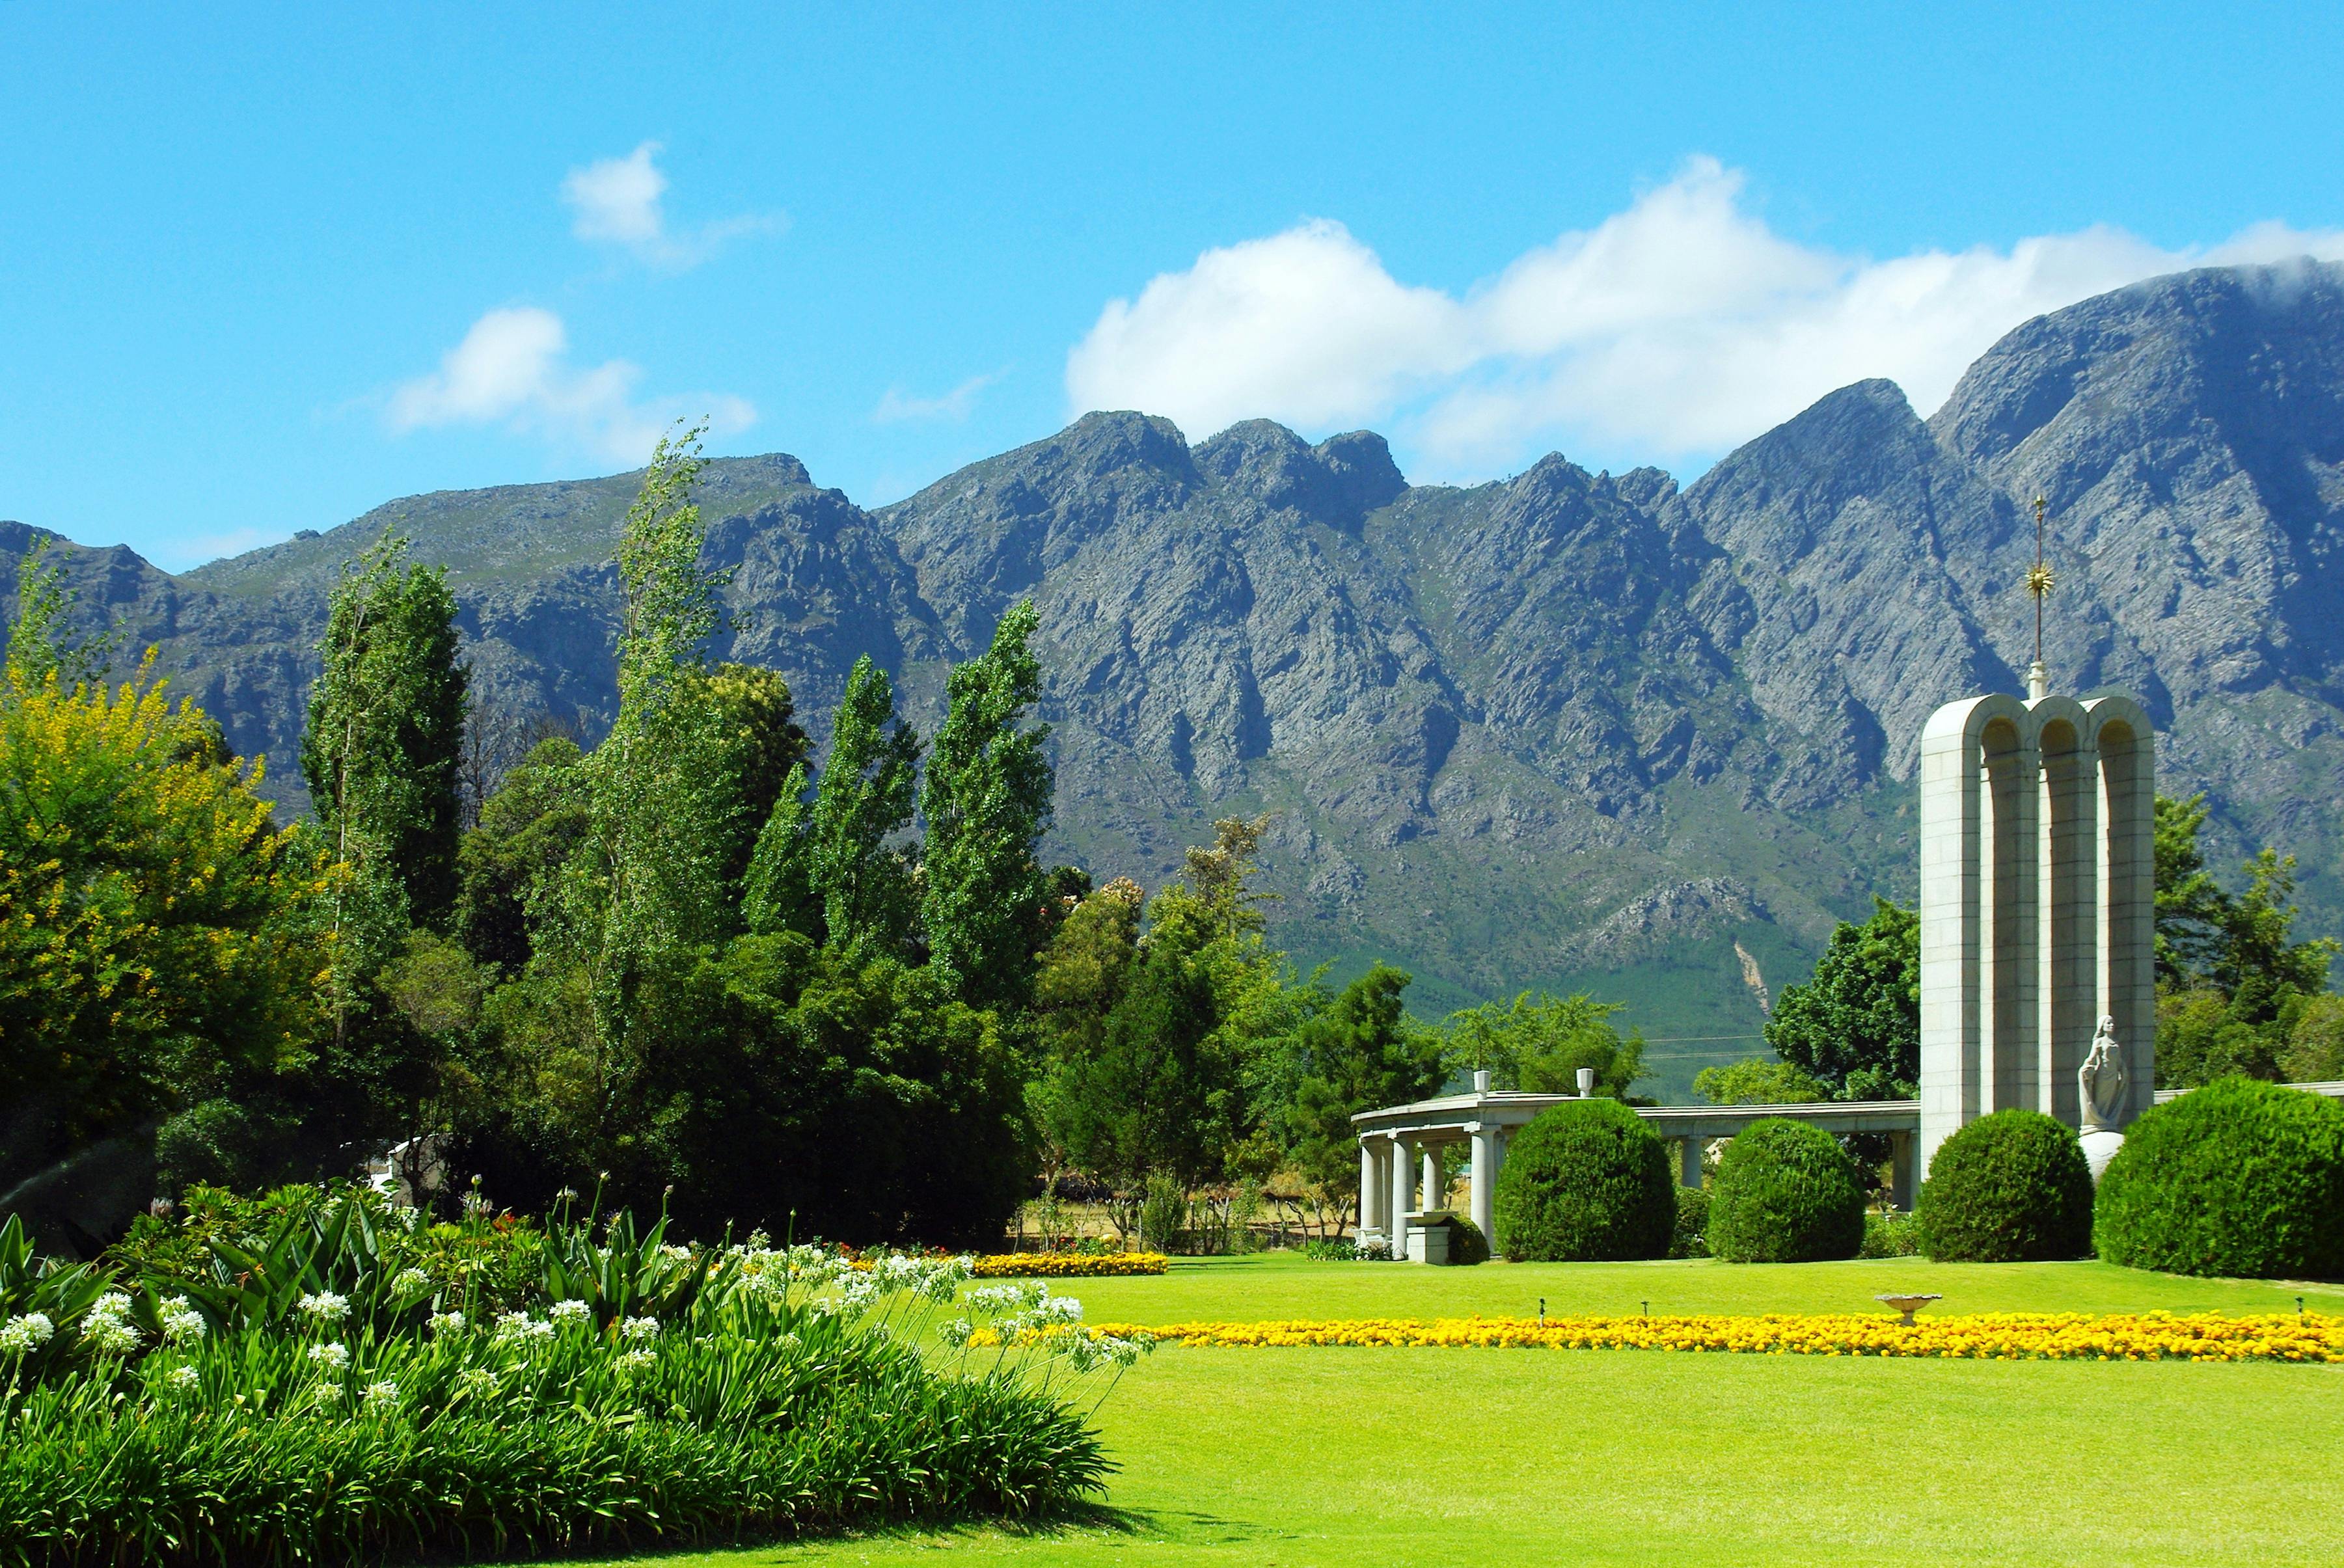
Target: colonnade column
{"x": 1367, "y": 1191}
{"x": 1403, "y": 1190}
{"x": 1689, "y": 1162}
{"x": 1436, "y": 1191}
{"x": 1485, "y": 1180}
{"x": 1902, "y": 1174}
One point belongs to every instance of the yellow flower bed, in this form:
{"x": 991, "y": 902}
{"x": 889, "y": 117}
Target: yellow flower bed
{"x": 1068, "y": 1265}
{"x": 1990, "y": 1336}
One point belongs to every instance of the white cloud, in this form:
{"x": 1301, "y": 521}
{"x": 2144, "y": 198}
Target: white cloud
{"x": 618, "y": 201}
{"x": 1674, "y": 329}
{"x": 895, "y": 406}
{"x": 513, "y": 368}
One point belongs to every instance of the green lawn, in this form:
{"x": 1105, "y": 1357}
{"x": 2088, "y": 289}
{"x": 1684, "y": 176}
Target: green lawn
{"x": 1398, "y": 1458}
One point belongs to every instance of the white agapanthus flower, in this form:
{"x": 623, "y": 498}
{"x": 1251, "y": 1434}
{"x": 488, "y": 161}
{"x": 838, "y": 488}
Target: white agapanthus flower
{"x": 447, "y": 1323}
{"x": 478, "y": 1383}
{"x": 107, "y": 1328}
{"x": 562, "y": 1312}
{"x": 184, "y": 1378}
{"x": 640, "y": 1329}
{"x": 326, "y": 1307}
{"x": 956, "y": 1333}
{"x": 333, "y": 1356}
{"x": 381, "y": 1396}
{"x": 28, "y": 1333}
{"x": 412, "y": 1282}
{"x": 637, "y": 1361}
{"x": 515, "y": 1326}
{"x": 182, "y": 1324}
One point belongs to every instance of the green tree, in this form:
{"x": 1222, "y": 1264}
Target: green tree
{"x": 759, "y": 744}
{"x": 778, "y": 893}
{"x": 1855, "y": 1027}
{"x": 1359, "y": 1053}
{"x": 512, "y": 862}
{"x": 1538, "y": 1042}
{"x": 386, "y": 729}
{"x": 987, "y": 802}
{"x": 42, "y": 642}
{"x": 2233, "y": 987}
{"x": 1759, "y": 1081}
{"x": 158, "y": 935}
{"x": 863, "y": 800}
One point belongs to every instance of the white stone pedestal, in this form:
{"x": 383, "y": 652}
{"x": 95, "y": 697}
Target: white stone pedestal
{"x": 1427, "y": 1237}
{"x": 2100, "y": 1146}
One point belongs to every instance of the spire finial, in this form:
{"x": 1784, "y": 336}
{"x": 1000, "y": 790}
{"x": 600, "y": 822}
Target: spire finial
{"x": 2039, "y": 582}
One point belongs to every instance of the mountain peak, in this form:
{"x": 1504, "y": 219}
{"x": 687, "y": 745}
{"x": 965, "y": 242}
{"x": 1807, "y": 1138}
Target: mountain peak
{"x": 1337, "y": 482}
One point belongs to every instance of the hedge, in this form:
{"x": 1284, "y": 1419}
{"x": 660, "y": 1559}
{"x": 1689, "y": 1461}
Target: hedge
{"x": 1786, "y": 1193}
{"x": 1588, "y": 1180}
{"x": 2009, "y": 1188}
{"x": 2239, "y": 1178}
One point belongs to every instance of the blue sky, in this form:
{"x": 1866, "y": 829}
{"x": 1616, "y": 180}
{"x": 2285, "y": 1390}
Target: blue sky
{"x": 261, "y": 270}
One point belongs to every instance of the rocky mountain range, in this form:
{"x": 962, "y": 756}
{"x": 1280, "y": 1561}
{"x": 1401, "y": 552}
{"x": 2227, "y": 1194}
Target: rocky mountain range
{"x": 1568, "y": 729}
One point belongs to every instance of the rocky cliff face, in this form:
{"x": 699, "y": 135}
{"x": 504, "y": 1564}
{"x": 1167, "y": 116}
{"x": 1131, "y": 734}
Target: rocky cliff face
{"x": 1570, "y": 728}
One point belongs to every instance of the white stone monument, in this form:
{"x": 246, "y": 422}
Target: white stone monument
{"x": 2037, "y": 910}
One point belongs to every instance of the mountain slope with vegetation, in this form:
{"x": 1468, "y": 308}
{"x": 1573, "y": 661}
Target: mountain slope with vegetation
{"x": 1567, "y": 729}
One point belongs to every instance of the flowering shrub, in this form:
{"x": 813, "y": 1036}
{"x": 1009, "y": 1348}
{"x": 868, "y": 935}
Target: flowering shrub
{"x": 1992, "y": 1336}
{"x": 642, "y": 1392}
{"x": 1067, "y": 1265}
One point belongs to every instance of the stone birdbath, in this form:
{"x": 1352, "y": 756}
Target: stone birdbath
{"x": 1907, "y": 1305}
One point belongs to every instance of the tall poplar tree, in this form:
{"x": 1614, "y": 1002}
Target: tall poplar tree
{"x": 387, "y": 729}
{"x": 865, "y": 798}
{"x": 987, "y": 801}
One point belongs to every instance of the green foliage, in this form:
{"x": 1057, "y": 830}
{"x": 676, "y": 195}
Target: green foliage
{"x": 1158, "y": 1095}
{"x": 54, "y": 1292}
{"x": 1786, "y": 1193}
{"x": 1759, "y": 1081}
{"x": 1855, "y": 1026}
{"x": 777, "y": 894}
{"x": 2238, "y": 1178}
{"x": 158, "y": 937}
{"x": 1359, "y": 1053}
{"x": 1587, "y": 1181}
{"x": 42, "y": 646}
{"x": 2232, "y": 983}
{"x": 1467, "y": 1245}
{"x": 2314, "y": 1043}
{"x": 1163, "y": 1213}
{"x": 986, "y": 803}
{"x": 778, "y": 1403}
{"x": 1690, "y": 1238}
{"x": 2012, "y": 1187}
{"x": 758, "y": 747}
{"x": 1538, "y": 1042}
{"x": 385, "y": 729}
{"x": 862, "y": 881}
{"x": 512, "y": 862}
{"x": 1895, "y": 1234}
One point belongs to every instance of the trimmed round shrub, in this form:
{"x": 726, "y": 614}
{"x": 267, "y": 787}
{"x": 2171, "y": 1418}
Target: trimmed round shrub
{"x": 1586, "y": 1181}
{"x": 1786, "y": 1193}
{"x": 2239, "y": 1178}
{"x": 2009, "y": 1188}
{"x": 1692, "y": 1240}
{"x": 1466, "y": 1243}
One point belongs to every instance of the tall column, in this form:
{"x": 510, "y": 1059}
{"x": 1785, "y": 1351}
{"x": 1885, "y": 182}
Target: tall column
{"x": 1952, "y": 912}
{"x": 2067, "y": 1002}
{"x": 2128, "y": 760}
{"x": 1689, "y": 1162}
{"x": 1435, "y": 1190}
{"x": 2014, "y": 906}
{"x": 1367, "y": 1191}
{"x": 1902, "y": 1183}
{"x": 1485, "y": 1180}
{"x": 1403, "y": 1184}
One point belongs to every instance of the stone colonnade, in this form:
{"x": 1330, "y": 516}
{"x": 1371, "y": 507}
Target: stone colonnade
{"x": 2037, "y": 905}
{"x": 1401, "y": 1147}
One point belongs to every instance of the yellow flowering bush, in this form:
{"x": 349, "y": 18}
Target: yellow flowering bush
{"x": 1068, "y": 1265}
{"x": 1983, "y": 1336}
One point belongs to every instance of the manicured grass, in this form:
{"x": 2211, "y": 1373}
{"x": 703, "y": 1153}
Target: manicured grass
{"x": 1437, "y": 1457}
